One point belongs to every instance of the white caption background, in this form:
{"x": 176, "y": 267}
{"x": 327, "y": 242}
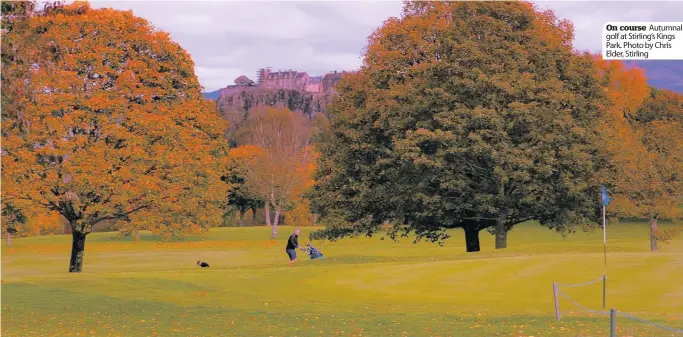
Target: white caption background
{"x": 642, "y": 41}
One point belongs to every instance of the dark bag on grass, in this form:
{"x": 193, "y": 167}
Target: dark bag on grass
{"x": 313, "y": 252}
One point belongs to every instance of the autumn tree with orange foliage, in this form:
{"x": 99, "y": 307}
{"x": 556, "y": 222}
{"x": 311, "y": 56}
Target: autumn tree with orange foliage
{"x": 45, "y": 224}
{"x": 17, "y": 223}
{"x": 15, "y": 65}
{"x": 117, "y": 128}
{"x": 278, "y": 162}
{"x": 643, "y": 135}
{"x": 15, "y": 68}
{"x": 300, "y": 213}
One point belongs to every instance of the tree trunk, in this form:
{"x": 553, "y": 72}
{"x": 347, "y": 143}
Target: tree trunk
{"x": 500, "y": 230}
{"x": 77, "y": 250}
{"x": 654, "y": 228}
{"x": 315, "y": 219}
{"x": 472, "y": 239}
{"x": 8, "y": 239}
{"x": 241, "y": 222}
{"x": 501, "y": 235}
{"x": 253, "y": 216}
{"x": 275, "y": 222}
{"x": 137, "y": 235}
{"x": 267, "y": 214}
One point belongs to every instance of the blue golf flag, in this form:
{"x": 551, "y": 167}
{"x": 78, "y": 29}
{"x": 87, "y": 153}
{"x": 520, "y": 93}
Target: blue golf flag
{"x": 605, "y": 197}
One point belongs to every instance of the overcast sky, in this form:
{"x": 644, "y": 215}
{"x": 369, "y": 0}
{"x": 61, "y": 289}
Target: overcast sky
{"x": 228, "y": 38}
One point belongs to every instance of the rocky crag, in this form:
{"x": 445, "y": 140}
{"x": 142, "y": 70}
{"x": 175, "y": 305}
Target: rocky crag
{"x": 283, "y": 89}
{"x": 236, "y": 105}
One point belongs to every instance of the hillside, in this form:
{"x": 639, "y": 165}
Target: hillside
{"x": 213, "y": 95}
{"x": 235, "y": 104}
{"x": 660, "y": 74}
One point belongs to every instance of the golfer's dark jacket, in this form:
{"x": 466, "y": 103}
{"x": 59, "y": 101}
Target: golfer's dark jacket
{"x": 293, "y": 242}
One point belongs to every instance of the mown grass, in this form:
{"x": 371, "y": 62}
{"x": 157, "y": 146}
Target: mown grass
{"x": 363, "y": 286}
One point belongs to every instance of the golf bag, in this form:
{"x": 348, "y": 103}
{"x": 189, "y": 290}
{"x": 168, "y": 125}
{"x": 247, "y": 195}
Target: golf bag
{"x": 313, "y": 252}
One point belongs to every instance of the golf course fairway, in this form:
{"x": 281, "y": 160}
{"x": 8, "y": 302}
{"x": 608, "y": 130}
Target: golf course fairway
{"x": 362, "y": 287}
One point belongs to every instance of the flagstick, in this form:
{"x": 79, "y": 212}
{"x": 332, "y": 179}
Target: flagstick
{"x": 604, "y": 234}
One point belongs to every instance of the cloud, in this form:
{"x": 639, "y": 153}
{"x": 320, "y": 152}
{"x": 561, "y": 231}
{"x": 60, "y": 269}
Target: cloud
{"x": 215, "y": 77}
{"x": 227, "y": 39}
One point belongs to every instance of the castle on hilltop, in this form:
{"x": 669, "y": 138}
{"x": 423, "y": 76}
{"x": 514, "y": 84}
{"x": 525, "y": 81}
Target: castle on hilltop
{"x": 291, "y": 80}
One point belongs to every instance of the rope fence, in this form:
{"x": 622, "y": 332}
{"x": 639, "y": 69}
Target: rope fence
{"x": 577, "y": 285}
{"x": 619, "y": 313}
{"x": 597, "y": 312}
{"x": 612, "y": 313}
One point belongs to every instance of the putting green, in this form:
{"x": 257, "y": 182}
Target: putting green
{"x": 363, "y": 287}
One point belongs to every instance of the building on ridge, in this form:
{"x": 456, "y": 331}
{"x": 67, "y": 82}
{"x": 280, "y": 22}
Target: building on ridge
{"x": 330, "y": 80}
{"x": 315, "y": 84}
{"x": 289, "y": 79}
{"x": 295, "y": 80}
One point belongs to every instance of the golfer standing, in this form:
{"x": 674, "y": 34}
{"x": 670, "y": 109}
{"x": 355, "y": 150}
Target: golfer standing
{"x": 292, "y": 245}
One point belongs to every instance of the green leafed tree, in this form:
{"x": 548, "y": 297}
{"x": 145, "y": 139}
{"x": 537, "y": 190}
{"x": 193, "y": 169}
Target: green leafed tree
{"x": 12, "y": 218}
{"x": 116, "y": 127}
{"x": 473, "y": 115}
{"x": 239, "y": 196}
